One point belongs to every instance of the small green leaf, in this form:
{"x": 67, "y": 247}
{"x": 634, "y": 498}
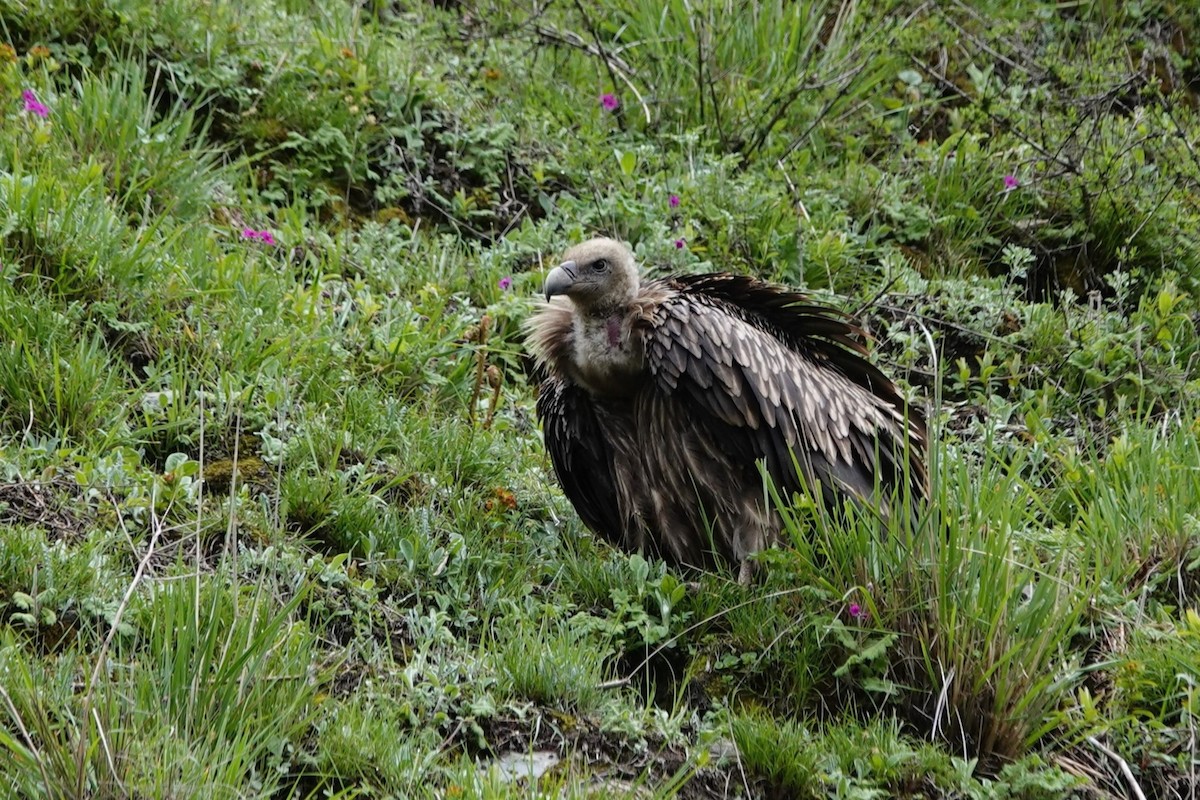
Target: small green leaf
{"x": 627, "y": 160}
{"x": 1166, "y": 302}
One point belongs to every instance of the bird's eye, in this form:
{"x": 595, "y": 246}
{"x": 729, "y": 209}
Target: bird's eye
{"x": 599, "y": 265}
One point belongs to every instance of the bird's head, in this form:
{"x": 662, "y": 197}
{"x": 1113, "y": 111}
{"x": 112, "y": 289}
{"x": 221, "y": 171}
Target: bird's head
{"x": 597, "y": 274}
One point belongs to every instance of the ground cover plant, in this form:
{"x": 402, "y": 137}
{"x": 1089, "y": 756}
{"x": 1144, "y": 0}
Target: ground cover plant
{"x": 275, "y": 516}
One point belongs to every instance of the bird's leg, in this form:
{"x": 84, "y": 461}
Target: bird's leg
{"x": 745, "y": 572}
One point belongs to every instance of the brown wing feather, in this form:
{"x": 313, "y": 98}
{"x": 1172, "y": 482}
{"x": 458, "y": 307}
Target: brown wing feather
{"x": 581, "y": 451}
{"x": 832, "y": 337}
{"x": 781, "y": 376}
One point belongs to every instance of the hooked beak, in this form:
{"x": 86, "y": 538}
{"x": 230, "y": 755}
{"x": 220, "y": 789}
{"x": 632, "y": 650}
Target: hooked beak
{"x": 560, "y": 279}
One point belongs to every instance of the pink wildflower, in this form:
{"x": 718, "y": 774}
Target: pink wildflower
{"x": 673, "y": 202}
{"x": 506, "y": 283}
{"x": 263, "y": 236}
{"x": 1011, "y": 182}
{"x": 680, "y": 243}
{"x": 609, "y": 101}
{"x": 33, "y": 106}
{"x": 857, "y": 612}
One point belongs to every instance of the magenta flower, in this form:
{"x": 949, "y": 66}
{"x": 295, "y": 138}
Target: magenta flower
{"x": 609, "y": 101}
{"x": 673, "y": 202}
{"x": 506, "y": 283}
{"x": 263, "y": 236}
{"x": 32, "y": 105}
{"x": 857, "y": 612}
{"x": 679, "y": 243}
{"x": 1011, "y": 182}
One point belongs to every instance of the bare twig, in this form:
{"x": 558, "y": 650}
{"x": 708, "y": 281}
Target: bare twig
{"x": 572, "y": 39}
{"x": 784, "y": 101}
{"x": 1069, "y": 166}
{"x": 843, "y": 90}
{"x": 108, "y": 751}
{"x": 1123, "y": 764}
{"x": 156, "y": 525}
{"x": 607, "y": 61}
{"x": 618, "y": 69}
{"x": 942, "y": 703}
{"x": 1183, "y": 136}
{"x": 794, "y": 192}
{"x": 1026, "y": 65}
{"x": 887, "y": 287}
{"x": 618, "y": 682}
{"x": 637, "y": 94}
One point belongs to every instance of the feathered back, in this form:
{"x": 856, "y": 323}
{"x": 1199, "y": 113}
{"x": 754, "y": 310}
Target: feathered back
{"x": 827, "y": 337}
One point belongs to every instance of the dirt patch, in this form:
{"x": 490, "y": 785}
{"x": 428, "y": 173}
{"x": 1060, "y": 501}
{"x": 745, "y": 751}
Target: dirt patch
{"x": 44, "y": 504}
{"x": 615, "y": 764}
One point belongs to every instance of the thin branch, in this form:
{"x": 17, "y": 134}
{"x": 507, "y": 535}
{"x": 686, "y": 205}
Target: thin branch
{"x": 102, "y": 656}
{"x": 612, "y": 73}
{"x": 1123, "y": 764}
{"x": 887, "y": 287}
{"x": 108, "y": 751}
{"x": 572, "y": 39}
{"x": 637, "y": 94}
{"x": 1028, "y": 66}
{"x": 618, "y": 69}
{"x": 617, "y": 682}
{"x": 1183, "y": 136}
{"x": 824, "y": 112}
{"x": 1069, "y": 166}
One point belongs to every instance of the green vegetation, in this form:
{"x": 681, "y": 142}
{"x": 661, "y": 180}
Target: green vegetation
{"x": 275, "y": 517}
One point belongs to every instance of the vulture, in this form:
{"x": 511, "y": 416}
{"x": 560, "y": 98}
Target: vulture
{"x": 663, "y": 402}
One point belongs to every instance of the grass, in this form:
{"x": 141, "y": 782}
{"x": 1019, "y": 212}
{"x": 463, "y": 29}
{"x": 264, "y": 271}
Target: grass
{"x": 275, "y": 516}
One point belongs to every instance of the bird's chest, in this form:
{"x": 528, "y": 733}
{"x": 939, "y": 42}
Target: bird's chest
{"x": 610, "y": 357}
